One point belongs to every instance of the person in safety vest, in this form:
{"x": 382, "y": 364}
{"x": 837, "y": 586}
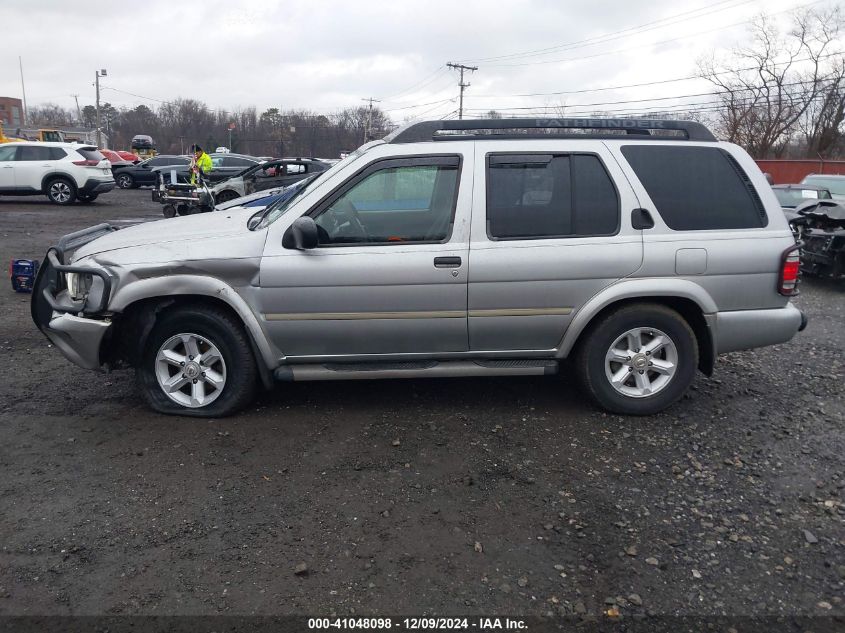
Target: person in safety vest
{"x": 201, "y": 163}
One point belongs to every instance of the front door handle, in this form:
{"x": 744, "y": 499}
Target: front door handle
{"x": 447, "y": 262}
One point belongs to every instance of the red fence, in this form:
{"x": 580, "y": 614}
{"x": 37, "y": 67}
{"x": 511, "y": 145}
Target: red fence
{"x": 793, "y": 171}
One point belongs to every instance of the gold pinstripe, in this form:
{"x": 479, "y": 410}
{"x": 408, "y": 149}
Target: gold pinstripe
{"x": 423, "y": 314}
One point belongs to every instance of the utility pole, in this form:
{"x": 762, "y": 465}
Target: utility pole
{"x": 23, "y": 90}
{"x": 78, "y": 111}
{"x": 97, "y": 75}
{"x": 461, "y": 84}
{"x": 369, "y": 118}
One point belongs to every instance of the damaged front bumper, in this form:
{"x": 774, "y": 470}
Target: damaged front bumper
{"x": 76, "y": 326}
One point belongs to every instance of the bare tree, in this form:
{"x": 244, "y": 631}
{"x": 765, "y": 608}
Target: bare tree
{"x": 765, "y": 89}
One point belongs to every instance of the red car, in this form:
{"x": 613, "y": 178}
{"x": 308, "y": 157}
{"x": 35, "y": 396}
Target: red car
{"x": 115, "y": 159}
{"x": 132, "y": 158}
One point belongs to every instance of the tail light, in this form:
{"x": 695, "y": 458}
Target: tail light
{"x": 86, "y": 163}
{"x": 790, "y": 271}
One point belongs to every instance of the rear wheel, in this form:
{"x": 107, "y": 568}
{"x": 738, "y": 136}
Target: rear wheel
{"x": 638, "y": 360}
{"x": 197, "y": 361}
{"x": 226, "y": 195}
{"x": 61, "y": 191}
{"x": 125, "y": 181}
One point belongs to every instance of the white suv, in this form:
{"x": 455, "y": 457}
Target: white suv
{"x": 64, "y": 172}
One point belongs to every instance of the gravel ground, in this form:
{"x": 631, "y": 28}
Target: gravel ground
{"x": 467, "y": 496}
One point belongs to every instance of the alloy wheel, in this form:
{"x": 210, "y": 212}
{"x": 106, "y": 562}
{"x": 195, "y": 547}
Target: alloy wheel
{"x": 641, "y": 362}
{"x": 190, "y": 370}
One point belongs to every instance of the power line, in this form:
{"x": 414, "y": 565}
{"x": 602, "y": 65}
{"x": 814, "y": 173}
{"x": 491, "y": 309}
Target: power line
{"x": 419, "y": 85}
{"x": 600, "y": 39}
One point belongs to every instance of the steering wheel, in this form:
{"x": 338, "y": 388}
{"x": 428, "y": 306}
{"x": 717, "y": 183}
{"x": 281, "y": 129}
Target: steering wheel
{"x": 344, "y": 208}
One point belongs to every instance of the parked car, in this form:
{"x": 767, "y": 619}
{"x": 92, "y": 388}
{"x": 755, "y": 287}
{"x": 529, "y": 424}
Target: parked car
{"x": 116, "y": 160}
{"x": 275, "y": 173}
{"x": 639, "y": 249}
{"x": 64, "y": 172}
{"x": 143, "y": 173}
{"x": 790, "y": 196}
{"x": 262, "y": 199}
{"x": 833, "y": 183}
{"x": 224, "y": 166}
{"x": 129, "y": 156}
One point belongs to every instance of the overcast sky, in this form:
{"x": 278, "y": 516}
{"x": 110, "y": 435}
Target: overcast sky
{"x": 328, "y": 54}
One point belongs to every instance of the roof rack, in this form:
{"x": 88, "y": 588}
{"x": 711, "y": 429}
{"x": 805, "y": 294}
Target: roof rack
{"x": 494, "y": 129}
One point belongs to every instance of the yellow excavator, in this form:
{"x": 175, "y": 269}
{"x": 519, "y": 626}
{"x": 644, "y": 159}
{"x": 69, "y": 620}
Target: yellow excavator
{"x": 42, "y": 135}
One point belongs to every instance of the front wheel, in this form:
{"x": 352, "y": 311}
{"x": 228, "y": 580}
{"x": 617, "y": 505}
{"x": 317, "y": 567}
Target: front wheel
{"x": 197, "y": 361}
{"x": 638, "y": 359}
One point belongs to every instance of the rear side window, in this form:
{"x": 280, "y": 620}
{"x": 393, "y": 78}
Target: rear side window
{"x": 535, "y": 196}
{"x": 697, "y": 188}
{"x": 34, "y": 152}
{"x": 57, "y": 153}
{"x": 91, "y": 154}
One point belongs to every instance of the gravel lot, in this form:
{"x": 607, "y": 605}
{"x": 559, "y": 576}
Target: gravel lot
{"x": 469, "y": 496}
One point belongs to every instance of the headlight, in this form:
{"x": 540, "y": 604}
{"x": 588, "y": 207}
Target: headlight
{"x": 78, "y": 284}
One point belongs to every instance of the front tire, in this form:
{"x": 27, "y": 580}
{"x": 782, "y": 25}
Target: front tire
{"x": 197, "y": 362}
{"x": 61, "y": 191}
{"x": 638, "y": 360}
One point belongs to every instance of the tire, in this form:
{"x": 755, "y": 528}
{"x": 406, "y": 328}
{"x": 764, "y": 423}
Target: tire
{"x": 125, "y": 181}
{"x": 216, "y": 333}
{"x": 605, "y": 354}
{"x": 61, "y": 191}
{"x": 87, "y": 197}
{"x": 226, "y": 195}
{"x": 169, "y": 211}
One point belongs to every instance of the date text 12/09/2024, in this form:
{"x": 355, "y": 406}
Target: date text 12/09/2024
{"x": 418, "y": 624}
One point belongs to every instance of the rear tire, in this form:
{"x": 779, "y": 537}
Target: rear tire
{"x": 125, "y": 181}
{"x": 637, "y": 360}
{"x": 226, "y": 195}
{"x": 61, "y": 191}
{"x": 218, "y": 374}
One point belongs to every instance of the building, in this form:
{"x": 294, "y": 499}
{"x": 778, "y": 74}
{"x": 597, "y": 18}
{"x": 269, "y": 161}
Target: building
{"x": 11, "y": 113}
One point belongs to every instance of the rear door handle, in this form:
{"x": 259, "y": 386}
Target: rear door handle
{"x": 447, "y": 262}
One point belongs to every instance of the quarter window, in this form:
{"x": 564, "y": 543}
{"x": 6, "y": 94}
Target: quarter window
{"x": 394, "y": 204}
{"x": 697, "y": 188}
{"x": 532, "y": 196}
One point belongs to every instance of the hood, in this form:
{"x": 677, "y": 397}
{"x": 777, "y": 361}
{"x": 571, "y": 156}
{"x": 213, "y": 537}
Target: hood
{"x": 191, "y": 228}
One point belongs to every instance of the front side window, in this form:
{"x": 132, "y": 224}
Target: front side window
{"x": 697, "y": 188}
{"x": 401, "y": 201}
{"x": 535, "y": 196}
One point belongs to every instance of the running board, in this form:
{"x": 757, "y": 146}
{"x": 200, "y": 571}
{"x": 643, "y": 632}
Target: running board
{"x": 414, "y": 369}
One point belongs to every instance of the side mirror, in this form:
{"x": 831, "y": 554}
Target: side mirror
{"x": 301, "y": 235}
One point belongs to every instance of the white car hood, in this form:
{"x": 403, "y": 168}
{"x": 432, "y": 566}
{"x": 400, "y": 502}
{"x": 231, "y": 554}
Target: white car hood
{"x": 194, "y": 229}
{"x": 238, "y": 202}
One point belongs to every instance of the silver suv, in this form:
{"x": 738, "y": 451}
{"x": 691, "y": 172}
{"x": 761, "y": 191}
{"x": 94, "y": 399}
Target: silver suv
{"x": 639, "y": 249}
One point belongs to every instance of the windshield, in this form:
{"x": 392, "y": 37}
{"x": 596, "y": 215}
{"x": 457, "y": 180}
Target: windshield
{"x": 276, "y": 210}
{"x": 835, "y": 185}
{"x": 273, "y": 212}
{"x": 794, "y": 197}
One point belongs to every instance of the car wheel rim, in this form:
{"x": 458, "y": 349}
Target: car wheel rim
{"x": 641, "y": 362}
{"x": 190, "y": 370}
{"x": 123, "y": 182}
{"x": 60, "y": 192}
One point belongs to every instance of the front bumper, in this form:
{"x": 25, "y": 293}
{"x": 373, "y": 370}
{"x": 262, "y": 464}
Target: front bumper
{"x": 747, "y": 329}
{"x": 67, "y": 322}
